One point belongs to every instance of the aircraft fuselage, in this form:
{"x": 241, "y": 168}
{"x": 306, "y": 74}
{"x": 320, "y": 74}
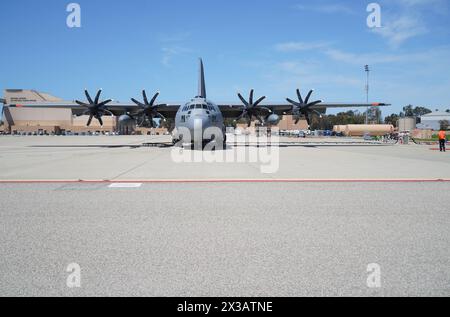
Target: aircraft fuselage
{"x": 198, "y": 120}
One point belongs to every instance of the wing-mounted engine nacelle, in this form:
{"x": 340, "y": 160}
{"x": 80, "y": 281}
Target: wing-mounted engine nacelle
{"x": 126, "y": 119}
{"x": 126, "y": 124}
{"x": 273, "y": 119}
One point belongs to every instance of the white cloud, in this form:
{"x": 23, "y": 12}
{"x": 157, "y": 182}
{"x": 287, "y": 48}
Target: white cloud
{"x": 300, "y": 46}
{"x": 406, "y": 19}
{"x": 326, "y": 8}
{"x": 170, "y": 52}
{"x": 172, "y": 46}
{"x": 429, "y": 3}
{"x": 426, "y": 56}
{"x": 397, "y": 30}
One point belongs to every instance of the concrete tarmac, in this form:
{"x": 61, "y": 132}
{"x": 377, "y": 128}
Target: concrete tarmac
{"x": 221, "y": 238}
{"x": 121, "y": 159}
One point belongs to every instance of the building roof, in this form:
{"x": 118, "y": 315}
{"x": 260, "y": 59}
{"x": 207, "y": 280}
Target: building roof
{"x": 437, "y": 114}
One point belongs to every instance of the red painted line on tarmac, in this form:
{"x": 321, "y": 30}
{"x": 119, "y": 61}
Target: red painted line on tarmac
{"x": 213, "y": 181}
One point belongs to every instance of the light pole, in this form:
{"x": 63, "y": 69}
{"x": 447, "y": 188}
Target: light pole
{"x": 367, "y": 69}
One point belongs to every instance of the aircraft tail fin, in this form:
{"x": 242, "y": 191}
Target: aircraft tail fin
{"x": 201, "y": 81}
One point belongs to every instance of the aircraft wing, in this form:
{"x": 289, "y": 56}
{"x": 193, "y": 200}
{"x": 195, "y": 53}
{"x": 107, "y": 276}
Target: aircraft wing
{"x": 116, "y": 108}
{"x": 233, "y": 110}
{"x": 229, "y": 110}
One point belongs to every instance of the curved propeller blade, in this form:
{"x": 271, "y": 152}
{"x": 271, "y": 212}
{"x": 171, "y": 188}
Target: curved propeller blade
{"x": 308, "y": 120}
{"x": 100, "y": 120}
{"x": 97, "y": 97}
{"x": 81, "y": 103}
{"x": 90, "y": 120}
{"x": 312, "y": 104}
{"x": 104, "y": 103}
{"x": 243, "y": 100}
{"x": 144, "y": 95}
{"x": 295, "y": 103}
{"x": 88, "y": 97}
{"x": 259, "y": 101}
{"x": 299, "y": 95}
{"x": 308, "y": 96}
{"x": 137, "y": 102}
{"x": 152, "y": 102}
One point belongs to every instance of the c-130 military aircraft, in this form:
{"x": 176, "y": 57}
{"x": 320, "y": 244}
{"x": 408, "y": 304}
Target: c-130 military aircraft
{"x": 199, "y": 114}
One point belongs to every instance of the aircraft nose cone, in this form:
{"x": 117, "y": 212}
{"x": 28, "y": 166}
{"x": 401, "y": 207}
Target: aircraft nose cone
{"x": 197, "y": 124}
{"x": 202, "y": 122}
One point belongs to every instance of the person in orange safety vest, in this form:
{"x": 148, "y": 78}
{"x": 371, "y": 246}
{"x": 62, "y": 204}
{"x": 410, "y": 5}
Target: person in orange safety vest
{"x": 442, "y": 140}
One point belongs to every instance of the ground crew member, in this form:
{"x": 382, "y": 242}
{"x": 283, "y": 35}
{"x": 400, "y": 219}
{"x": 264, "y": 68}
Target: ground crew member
{"x": 442, "y": 140}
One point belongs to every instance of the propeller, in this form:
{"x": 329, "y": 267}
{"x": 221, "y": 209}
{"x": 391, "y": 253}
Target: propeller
{"x": 252, "y": 109}
{"x": 95, "y": 108}
{"x": 303, "y": 107}
{"x": 149, "y": 110}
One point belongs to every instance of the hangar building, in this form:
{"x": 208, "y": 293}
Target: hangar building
{"x": 19, "y": 120}
{"x": 432, "y": 121}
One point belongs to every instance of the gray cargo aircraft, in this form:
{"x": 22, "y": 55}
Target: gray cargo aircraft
{"x": 199, "y": 115}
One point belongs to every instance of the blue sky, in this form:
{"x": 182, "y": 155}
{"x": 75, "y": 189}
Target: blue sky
{"x": 272, "y": 46}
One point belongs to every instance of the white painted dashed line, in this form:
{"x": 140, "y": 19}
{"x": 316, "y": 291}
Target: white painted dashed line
{"x": 125, "y": 185}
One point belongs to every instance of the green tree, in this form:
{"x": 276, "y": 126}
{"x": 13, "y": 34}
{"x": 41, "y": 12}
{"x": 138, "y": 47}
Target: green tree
{"x": 408, "y": 111}
{"x": 392, "y": 119}
{"x": 342, "y": 118}
{"x": 444, "y": 125}
{"x": 421, "y": 111}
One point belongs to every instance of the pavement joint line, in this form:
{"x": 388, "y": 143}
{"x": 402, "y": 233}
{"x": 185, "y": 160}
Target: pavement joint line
{"x": 211, "y": 181}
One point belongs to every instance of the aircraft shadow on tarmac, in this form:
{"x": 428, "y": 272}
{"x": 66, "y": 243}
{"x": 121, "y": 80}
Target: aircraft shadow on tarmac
{"x": 169, "y": 145}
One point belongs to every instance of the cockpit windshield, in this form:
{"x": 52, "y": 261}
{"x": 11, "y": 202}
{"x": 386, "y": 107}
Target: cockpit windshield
{"x": 200, "y": 106}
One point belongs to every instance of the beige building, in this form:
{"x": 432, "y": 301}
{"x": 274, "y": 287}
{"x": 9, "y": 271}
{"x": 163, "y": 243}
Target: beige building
{"x": 288, "y": 123}
{"x": 46, "y": 120}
